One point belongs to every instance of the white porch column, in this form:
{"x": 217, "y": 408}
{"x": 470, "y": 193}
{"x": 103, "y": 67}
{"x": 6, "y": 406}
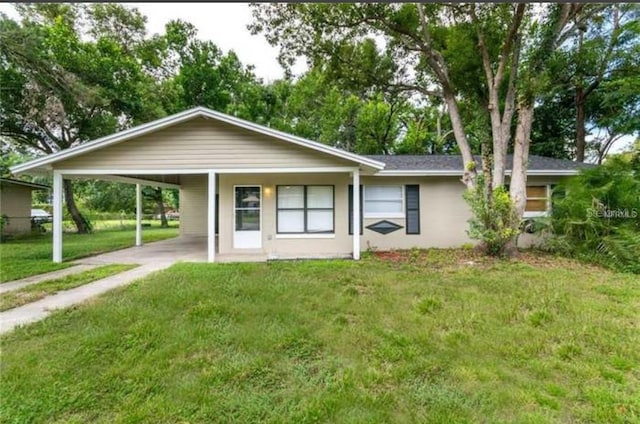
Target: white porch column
{"x": 57, "y": 216}
{"x": 211, "y": 217}
{"x": 356, "y": 214}
{"x": 138, "y": 215}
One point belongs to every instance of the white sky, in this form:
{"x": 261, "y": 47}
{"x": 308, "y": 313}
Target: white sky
{"x": 223, "y": 23}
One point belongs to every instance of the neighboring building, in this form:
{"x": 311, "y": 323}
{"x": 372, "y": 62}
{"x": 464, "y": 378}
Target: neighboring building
{"x": 284, "y": 196}
{"x": 15, "y": 204}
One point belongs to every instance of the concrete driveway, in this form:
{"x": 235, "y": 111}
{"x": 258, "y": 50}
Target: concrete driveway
{"x": 190, "y": 249}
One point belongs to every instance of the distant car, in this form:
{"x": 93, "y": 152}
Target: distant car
{"x": 40, "y": 216}
{"x": 171, "y": 215}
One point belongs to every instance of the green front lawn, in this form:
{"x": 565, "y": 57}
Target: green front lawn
{"x": 32, "y": 255}
{"x": 28, "y": 294}
{"x": 424, "y": 337}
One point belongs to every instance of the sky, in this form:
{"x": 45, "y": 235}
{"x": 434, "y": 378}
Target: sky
{"x": 223, "y": 23}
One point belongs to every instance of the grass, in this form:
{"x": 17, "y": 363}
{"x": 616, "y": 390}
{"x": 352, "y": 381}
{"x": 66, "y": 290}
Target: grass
{"x": 430, "y": 337}
{"x": 22, "y": 258}
{"x": 40, "y": 290}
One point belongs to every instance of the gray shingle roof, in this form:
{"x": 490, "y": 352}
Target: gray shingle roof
{"x": 454, "y": 163}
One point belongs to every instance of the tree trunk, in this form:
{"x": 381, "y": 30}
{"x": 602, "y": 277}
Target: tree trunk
{"x": 580, "y": 124}
{"x": 160, "y": 201}
{"x": 82, "y": 225}
{"x": 518, "y": 185}
{"x": 469, "y": 172}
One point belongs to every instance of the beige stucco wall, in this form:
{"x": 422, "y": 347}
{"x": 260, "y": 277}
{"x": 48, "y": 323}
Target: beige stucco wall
{"x": 443, "y": 214}
{"x": 15, "y": 202}
{"x": 202, "y": 144}
{"x": 193, "y": 205}
{"x": 340, "y": 244}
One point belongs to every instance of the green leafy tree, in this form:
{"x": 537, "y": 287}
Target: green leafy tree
{"x": 201, "y": 75}
{"x": 60, "y": 89}
{"x": 603, "y": 73}
{"x": 597, "y": 215}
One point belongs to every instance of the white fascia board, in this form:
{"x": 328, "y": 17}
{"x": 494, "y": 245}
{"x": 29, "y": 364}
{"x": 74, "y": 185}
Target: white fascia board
{"x": 435, "y": 173}
{"x": 195, "y": 171}
{"x": 181, "y": 117}
{"x": 551, "y": 172}
{"x": 417, "y": 173}
{"x": 33, "y": 186}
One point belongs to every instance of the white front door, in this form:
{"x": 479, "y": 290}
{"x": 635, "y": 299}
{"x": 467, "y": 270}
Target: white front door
{"x": 247, "y": 217}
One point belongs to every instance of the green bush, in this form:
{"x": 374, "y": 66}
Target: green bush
{"x": 494, "y": 221}
{"x": 597, "y": 217}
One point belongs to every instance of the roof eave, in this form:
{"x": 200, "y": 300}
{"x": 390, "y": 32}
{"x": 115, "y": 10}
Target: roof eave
{"x": 452, "y": 173}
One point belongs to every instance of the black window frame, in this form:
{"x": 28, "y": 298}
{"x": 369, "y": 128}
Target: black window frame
{"x": 305, "y": 209}
{"x": 408, "y": 188}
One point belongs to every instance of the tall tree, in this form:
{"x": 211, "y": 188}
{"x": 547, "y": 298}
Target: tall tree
{"x": 497, "y": 69}
{"x": 605, "y": 48}
{"x": 60, "y": 89}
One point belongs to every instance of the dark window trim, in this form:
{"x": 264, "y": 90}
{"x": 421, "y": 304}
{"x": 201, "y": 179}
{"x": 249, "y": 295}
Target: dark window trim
{"x": 407, "y": 209}
{"x": 305, "y": 209}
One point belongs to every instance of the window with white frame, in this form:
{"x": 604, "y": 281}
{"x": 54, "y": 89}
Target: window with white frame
{"x": 383, "y": 201}
{"x": 305, "y": 209}
{"x": 537, "y": 200}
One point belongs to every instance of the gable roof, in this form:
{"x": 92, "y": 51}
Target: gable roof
{"x": 198, "y": 112}
{"x": 33, "y": 186}
{"x": 452, "y": 165}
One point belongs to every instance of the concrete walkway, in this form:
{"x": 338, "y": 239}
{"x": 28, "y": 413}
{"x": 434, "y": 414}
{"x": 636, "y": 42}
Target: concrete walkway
{"x": 40, "y": 309}
{"x": 35, "y": 279}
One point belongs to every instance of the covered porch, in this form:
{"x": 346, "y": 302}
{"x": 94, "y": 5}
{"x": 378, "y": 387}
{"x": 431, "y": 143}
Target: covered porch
{"x": 208, "y": 226}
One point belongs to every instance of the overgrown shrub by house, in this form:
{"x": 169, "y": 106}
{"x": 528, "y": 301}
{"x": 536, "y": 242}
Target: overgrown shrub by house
{"x": 596, "y": 215}
{"x": 493, "y": 221}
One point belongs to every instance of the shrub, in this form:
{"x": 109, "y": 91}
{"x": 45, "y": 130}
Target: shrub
{"x": 598, "y": 216}
{"x": 494, "y": 221}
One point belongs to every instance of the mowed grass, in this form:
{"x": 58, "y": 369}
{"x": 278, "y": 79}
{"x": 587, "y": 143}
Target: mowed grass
{"x": 426, "y": 338}
{"x": 38, "y": 291}
{"x": 32, "y": 255}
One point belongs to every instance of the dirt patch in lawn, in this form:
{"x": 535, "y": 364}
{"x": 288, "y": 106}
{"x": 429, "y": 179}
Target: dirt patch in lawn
{"x": 446, "y": 258}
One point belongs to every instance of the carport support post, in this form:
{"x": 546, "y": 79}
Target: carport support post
{"x": 138, "y": 215}
{"x": 211, "y": 217}
{"x": 356, "y": 214}
{"x": 57, "y": 216}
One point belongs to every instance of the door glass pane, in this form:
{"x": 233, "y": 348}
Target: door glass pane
{"x": 290, "y": 197}
{"x": 290, "y": 221}
{"x": 247, "y": 219}
{"x": 319, "y": 221}
{"x": 320, "y": 197}
{"x": 247, "y": 197}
